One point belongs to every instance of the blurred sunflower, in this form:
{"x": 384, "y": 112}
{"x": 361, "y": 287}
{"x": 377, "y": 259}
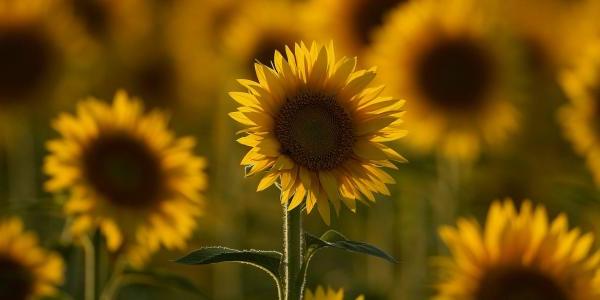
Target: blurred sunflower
{"x": 438, "y": 53}
{"x": 127, "y": 174}
{"x": 26, "y": 270}
{"x": 104, "y": 20}
{"x": 313, "y": 124}
{"x": 260, "y": 28}
{"x": 193, "y": 33}
{"x": 329, "y": 294}
{"x": 550, "y": 31}
{"x": 155, "y": 75}
{"x": 351, "y": 23}
{"x": 518, "y": 255}
{"x": 40, "y": 50}
{"x": 579, "y": 118}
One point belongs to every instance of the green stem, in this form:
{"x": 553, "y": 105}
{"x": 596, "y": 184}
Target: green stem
{"x": 90, "y": 267}
{"x": 293, "y": 244}
{"x": 111, "y": 289}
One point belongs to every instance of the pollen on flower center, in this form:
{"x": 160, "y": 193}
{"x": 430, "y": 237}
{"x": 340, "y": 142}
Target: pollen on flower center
{"x": 16, "y": 283}
{"x": 455, "y": 74}
{"x": 369, "y": 15}
{"x": 314, "y": 130}
{"x": 26, "y": 59}
{"x": 519, "y": 283}
{"x": 123, "y": 170}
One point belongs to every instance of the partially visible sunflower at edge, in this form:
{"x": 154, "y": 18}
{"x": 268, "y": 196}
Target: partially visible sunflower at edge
{"x": 580, "y": 118}
{"x": 551, "y": 32}
{"x": 41, "y": 52}
{"x": 128, "y": 175}
{"x": 329, "y": 294}
{"x": 440, "y": 55}
{"x": 314, "y": 125}
{"x": 351, "y": 23}
{"x": 518, "y": 255}
{"x": 27, "y": 271}
{"x": 258, "y": 29}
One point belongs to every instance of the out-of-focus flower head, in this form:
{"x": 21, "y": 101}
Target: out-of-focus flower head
{"x": 128, "y": 175}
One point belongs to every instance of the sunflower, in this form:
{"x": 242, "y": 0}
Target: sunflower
{"x": 41, "y": 50}
{"x": 579, "y": 118}
{"x": 104, "y": 20}
{"x": 26, "y": 270}
{"x": 313, "y": 124}
{"x": 440, "y": 55}
{"x": 155, "y": 75}
{"x": 351, "y": 23}
{"x": 193, "y": 33}
{"x": 329, "y": 294}
{"x": 128, "y": 175}
{"x": 260, "y": 28}
{"x": 518, "y": 255}
{"x": 551, "y": 32}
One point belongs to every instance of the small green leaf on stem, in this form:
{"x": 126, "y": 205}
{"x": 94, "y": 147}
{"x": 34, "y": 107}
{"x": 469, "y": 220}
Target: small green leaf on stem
{"x": 334, "y": 239}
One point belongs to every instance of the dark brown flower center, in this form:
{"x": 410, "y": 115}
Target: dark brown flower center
{"x": 123, "y": 170}
{"x": 369, "y": 15}
{"x": 519, "y": 283}
{"x": 93, "y": 14}
{"x": 596, "y": 99}
{"x": 264, "y": 50}
{"x": 26, "y": 58}
{"x": 455, "y": 74}
{"x": 314, "y": 130}
{"x": 16, "y": 282}
{"x": 155, "y": 82}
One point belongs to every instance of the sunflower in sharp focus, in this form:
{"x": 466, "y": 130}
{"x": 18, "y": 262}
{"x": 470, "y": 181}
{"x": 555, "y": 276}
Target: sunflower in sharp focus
{"x": 260, "y": 28}
{"x": 40, "y": 50}
{"x": 128, "y": 175}
{"x": 580, "y": 117}
{"x": 26, "y": 270}
{"x": 313, "y": 123}
{"x": 440, "y": 55}
{"x": 329, "y": 294}
{"x": 351, "y": 23}
{"x": 519, "y": 255}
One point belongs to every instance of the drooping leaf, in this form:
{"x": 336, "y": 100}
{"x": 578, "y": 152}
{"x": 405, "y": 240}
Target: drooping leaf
{"x": 265, "y": 260}
{"x": 334, "y": 239}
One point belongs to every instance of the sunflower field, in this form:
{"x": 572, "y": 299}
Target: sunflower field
{"x": 299, "y": 149}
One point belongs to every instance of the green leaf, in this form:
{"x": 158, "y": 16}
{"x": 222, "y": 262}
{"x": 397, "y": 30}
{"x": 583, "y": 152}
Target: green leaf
{"x": 265, "y": 260}
{"x": 334, "y": 239}
{"x": 161, "y": 279}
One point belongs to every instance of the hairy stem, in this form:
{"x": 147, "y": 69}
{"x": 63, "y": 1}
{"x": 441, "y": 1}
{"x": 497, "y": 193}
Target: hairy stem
{"x": 293, "y": 245}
